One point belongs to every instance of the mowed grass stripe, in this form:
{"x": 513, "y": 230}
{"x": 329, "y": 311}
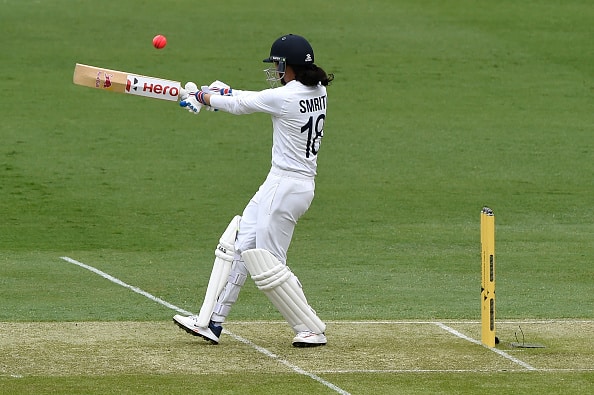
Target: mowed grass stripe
{"x": 107, "y": 348}
{"x": 358, "y": 350}
{"x": 272, "y": 354}
{"x": 266, "y": 352}
{"x": 247, "y": 342}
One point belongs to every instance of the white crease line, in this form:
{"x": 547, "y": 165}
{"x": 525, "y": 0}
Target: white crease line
{"x": 351, "y": 371}
{"x": 424, "y": 322}
{"x": 262, "y": 350}
{"x": 288, "y": 364}
{"x": 470, "y": 339}
{"x": 508, "y": 322}
{"x": 123, "y": 284}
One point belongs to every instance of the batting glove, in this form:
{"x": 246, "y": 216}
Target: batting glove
{"x": 187, "y": 90}
{"x": 218, "y": 88}
{"x": 188, "y": 99}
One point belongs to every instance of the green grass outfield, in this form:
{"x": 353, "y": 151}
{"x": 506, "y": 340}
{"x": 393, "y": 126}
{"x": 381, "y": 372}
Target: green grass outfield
{"x": 438, "y": 109}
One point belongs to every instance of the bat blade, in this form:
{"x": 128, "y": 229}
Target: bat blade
{"x": 123, "y": 82}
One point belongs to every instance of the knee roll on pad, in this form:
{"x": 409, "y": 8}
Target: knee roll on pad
{"x": 283, "y": 289}
{"x": 272, "y": 278}
{"x": 226, "y": 247}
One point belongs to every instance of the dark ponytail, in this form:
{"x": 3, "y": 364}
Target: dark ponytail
{"x": 312, "y": 75}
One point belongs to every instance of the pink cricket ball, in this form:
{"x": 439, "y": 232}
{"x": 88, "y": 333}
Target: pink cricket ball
{"x": 159, "y": 41}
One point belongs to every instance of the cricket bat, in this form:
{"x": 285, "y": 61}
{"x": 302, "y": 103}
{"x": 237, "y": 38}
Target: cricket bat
{"x": 123, "y": 82}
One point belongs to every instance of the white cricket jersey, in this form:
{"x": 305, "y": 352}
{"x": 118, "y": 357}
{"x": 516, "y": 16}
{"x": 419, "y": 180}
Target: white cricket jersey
{"x": 298, "y": 114}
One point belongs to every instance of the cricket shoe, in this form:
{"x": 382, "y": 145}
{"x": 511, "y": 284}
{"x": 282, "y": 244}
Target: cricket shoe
{"x": 190, "y": 325}
{"x": 309, "y": 339}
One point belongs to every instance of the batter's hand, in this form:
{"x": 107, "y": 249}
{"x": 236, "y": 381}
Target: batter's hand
{"x": 188, "y": 89}
{"x": 191, "y": 104}
{"x": 188, "y": 98}
{"x": 218, "y": 88}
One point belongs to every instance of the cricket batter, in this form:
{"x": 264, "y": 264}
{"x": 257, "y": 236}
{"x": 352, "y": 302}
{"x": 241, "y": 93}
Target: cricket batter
{"x": 257, "y": 241}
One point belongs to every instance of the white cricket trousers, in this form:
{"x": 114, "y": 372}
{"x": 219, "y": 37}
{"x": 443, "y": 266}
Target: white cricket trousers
{"x": 267, "y": 222}
{"x": 269, "y": 219}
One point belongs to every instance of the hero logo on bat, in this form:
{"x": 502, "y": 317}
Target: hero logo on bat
{"x": 152, "y": 87}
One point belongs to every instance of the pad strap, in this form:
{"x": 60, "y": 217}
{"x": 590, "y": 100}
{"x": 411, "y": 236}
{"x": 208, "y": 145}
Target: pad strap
{"x": 220, "y": 271}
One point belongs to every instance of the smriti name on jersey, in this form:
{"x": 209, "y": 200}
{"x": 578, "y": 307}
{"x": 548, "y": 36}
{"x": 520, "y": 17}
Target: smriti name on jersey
{"x": 311, "y": 105}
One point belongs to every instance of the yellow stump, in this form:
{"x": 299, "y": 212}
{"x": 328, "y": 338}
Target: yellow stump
{"x": 488, "y": 277}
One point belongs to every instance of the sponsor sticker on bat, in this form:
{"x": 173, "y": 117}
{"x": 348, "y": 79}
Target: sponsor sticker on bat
{"x": 152, "y": 87}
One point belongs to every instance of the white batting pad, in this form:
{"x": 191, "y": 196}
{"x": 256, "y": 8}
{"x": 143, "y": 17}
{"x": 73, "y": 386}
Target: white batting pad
{"x": 220, "y": 271}
{"x": 283, "y": 289}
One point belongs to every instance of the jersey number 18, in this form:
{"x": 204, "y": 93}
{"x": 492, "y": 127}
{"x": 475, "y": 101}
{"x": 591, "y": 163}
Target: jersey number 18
{"x": 314, "y": 134}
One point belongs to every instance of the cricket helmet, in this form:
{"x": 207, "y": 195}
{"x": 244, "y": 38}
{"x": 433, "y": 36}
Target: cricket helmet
{"x": 292, "y": 49}
{"x": 289, "y": 49}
